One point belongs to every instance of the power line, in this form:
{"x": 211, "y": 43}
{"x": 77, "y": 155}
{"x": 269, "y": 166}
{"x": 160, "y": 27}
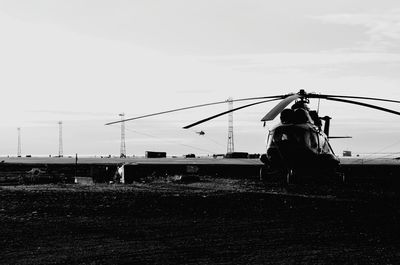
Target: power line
{"x": 369, "y": 157}
{"x": 175, "y": 142}
{"x": 210, "y": 139}
{"x": 156, "y": 137}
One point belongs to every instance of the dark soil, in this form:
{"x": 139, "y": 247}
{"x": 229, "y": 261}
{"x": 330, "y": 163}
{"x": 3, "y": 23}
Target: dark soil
{"x": 208, "y": 222}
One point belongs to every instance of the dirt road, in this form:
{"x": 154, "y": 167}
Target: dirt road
{"x": 208, "y": 222}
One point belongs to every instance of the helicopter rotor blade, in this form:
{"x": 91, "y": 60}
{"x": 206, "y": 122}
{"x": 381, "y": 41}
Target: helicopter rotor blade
{"x": 194, "y": 106}
{"x": 286, "y": 100}
{"x": 280, "y": 107}
{"x": 311, "y": 95}
{"x": 363, "y": 104}
{"x": 225, "y": 112}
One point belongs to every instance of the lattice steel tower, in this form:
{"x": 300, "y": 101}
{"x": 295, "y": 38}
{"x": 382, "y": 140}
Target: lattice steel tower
{"x": 19, "y": 142}
{"x": 230, "y": 148}
{"x": 123, "y": 147}
{"x": 60, "y": 140}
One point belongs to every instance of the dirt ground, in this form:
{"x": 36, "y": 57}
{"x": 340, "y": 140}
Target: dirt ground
{"x": 211, "y": 221}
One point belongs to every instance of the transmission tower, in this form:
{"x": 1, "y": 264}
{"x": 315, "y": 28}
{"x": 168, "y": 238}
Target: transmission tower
{"x": 230, "y": 147}
{"x": 60, "y": 141}
{"x": 123, "y": 148}
{"x": 19, "y": 142}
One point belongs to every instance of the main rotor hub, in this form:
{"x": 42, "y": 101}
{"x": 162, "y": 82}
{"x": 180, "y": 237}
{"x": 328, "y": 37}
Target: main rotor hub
{"x": 301, "y": 104}
{"x": 302, "y": 92}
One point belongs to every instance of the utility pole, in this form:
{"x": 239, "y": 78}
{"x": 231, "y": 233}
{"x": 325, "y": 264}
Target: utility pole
{"x": 60, "y": 141}
{"x": 19, "y": 142}
{"x": 123, "y": 147}
{"x": 230, "y": 148}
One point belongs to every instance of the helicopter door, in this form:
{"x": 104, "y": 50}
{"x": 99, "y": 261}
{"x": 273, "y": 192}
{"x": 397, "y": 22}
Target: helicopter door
{"x": 314, "y": 141}
{"x": 296, "y": 143}
{"x": 324, "y": 146}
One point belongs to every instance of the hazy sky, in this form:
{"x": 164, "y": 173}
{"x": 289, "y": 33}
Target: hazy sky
{"x": 84, "y": 62}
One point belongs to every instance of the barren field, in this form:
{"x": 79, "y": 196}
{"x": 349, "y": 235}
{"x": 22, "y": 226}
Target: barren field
{"x": 211, "y": 221}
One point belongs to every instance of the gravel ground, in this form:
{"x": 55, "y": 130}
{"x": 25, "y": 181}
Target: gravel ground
{"x": 211, "y": 221}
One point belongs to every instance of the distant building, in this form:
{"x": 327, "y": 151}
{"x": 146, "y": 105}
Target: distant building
{"x": 347, "y": 153}
{"x": 237, "y": 155}
{"x": 152, "y": 154}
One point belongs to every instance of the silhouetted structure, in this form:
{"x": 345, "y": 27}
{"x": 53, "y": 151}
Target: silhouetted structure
{"x": 60, "y": 141}
{"x": 231, "y": 147}
{"x": 123, "y": 147}
{"x": 19, "y": 142}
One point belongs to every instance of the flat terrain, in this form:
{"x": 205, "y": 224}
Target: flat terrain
{"x": 178, "y": 160}
{"x": 211, "y": 221}
{"x": 134, "y": 160}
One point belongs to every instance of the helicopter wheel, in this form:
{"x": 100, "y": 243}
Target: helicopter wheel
{"x": 263, "y": 173}
{"x": 343, "y": 178}
{"x": 289, "y": 176}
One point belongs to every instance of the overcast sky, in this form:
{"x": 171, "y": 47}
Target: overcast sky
{"x": 84, "y": 62}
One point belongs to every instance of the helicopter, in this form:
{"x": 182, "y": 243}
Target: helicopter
{"x": 201, "y": 133}
{"x": 298, "y": 145}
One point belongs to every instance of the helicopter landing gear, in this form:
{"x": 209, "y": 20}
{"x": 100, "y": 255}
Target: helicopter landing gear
{"x": 263, "y": 173}
{"x": 267, "y": 174}
{"x": 341, "y": 177}
{"x": 289, "y": 176}
{"x": 285, "y": 176}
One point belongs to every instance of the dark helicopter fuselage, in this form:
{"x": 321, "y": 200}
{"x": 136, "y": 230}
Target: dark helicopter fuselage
{"x": 299, "y": 147}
